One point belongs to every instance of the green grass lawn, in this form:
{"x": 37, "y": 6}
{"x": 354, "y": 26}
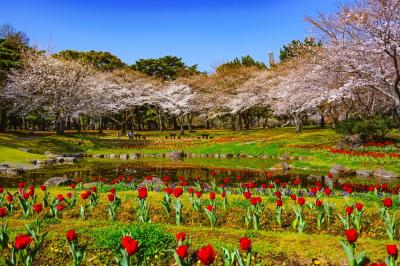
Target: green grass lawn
{"x": 310, "y": 146}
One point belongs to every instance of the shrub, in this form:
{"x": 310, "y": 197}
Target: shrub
{"x": 367, "y": 128}
{"x": 153, "y": 239}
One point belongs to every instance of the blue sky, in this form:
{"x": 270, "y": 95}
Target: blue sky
{"x": 203, "y": 32}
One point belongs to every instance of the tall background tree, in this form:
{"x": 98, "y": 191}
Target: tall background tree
{"x": 12, "y": 42}
{"x": 167, "y": 67}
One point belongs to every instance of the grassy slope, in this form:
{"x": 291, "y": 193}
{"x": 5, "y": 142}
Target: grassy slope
{"x": 273, "y": 142}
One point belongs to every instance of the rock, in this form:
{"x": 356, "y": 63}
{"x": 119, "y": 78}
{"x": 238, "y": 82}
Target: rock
{"x": 283, "y": 157}
{"x": 351, "y": 141}
{"x": 24, "y": 149}
{"x": 364, "y": 173}
{"x": 47, "y": 153}
{"x": 134, "y": 156}
{"x": 66, "y": 159}
{"x": 203, "y": 155}
{"x": 243, "y": 155}
{"x": 382, "y": 173}
{"x": 17, "y": 171}
{"x": 58, "y": 181}
{"x": 302, "y": 158}
{"x": 111, "y": 156}
{"x": 229, "y": 155}
{"x": 281, "y": 166}
{"x": 4, "y": 165}
{"x": 3, "y": 170}
{"x": 217, "y": 155}
{"x": 123, "y": 156}
{"x": 176, "y": 154}
{"x": 77, "y": 155}
{"x": 50, "y": 161}
{"x": 157, "y": 183}
{"x": 341, "y": 171}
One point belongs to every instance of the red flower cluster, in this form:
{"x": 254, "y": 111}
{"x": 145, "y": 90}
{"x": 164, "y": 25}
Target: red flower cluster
{"x": 85, "y": 194}
{"x": 22, "y": 241}
{"x": 130, "y": 245}
{"x": 245, "y": 244}
{"x": 71, "y": 235}
{"x": 351, "y": 235}
{"x": 142, "y": 192}
{"x": 3, "y": 212}
{"x": 206, "y": 255}
{"x": 178, "y": 192}
{"x": 255, "y": 200}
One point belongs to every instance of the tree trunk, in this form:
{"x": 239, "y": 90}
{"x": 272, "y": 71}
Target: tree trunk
{"x": 207, "y": 122}
{"x": 190, "y": 120}
{"x": 298, "y": 122}
{"x": 100, "y": 125}
{"x": 160, "y": 120}
{"x": 322, "y": 120}
{"x": 3, "y": 120}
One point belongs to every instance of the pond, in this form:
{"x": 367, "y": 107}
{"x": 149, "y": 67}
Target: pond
{"x": 207, "y": 170}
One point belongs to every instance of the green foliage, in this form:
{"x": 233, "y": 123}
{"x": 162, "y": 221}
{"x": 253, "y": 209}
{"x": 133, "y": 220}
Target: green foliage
{"x": 104, "y": 61}
{"x": 367, "y": 128}
{"x": 153, "y": 239}
{"x": 244, "y": 61}
{"x": 167, "y": 67}
{"x": 297, "y": 48}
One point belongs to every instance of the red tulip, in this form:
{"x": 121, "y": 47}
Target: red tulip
{"x": 327, "y": 191}
{"x": 22, "y": 241}
{"x": 112, "y": 191}
{"x": 318, "y": 203}
{"x": 181, "y": 236}
{"x": 111, "y": 197}
{"x": 85, "y": 194}
{"x": 71, "y": 235}
{"x": 278, "y": 194}
{"x": 245, "y": 244}
{"x": 60, "y": 207}
{"x": 9, "y": 198}
{"x": 37, "y": 208}
{"x": 388, "y": 202}
{"x": 212, "y": 195}
{"x": 349, "y": 210}
{"x": 210, "y": 208}
{"x": 178, "y": 192}
{"x": 94, "y": 189}
{"x": 391, "y": 250}
{"x": 69, "y": 195}
{"x": 255, "y": 200}
{"x": 198, "y": 194}
{"x": 182, "y": 251}
{"x": 43, "y": 188}
{"x": 73, "y": 186}
{"x": 330, "y": 175}
{"x": 247, "y": 194}
{"x": 169, "y": 190}
{"x": 191, "y": 190}
{"x": 359, "y": 206}
{"x": 21, "y": 185}
{"x": 279, "y": 203}
{"x": 60, "y": 197}
{"x": 351, "y": 235}
{"x": 3, "y": 212}
{"x": 142, "y": 192}
{"x": 1, "y": 190}
{"x": 223, "y": 194}
{"x": 293, "y": 197}
{"x": 130, "y": 245}
{"x": 301, "y": 201}
{"x": 206, "y": 255}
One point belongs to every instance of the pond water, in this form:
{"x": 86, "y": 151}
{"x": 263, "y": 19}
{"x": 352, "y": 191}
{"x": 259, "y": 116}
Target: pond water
{"x": 208, "y": 170}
